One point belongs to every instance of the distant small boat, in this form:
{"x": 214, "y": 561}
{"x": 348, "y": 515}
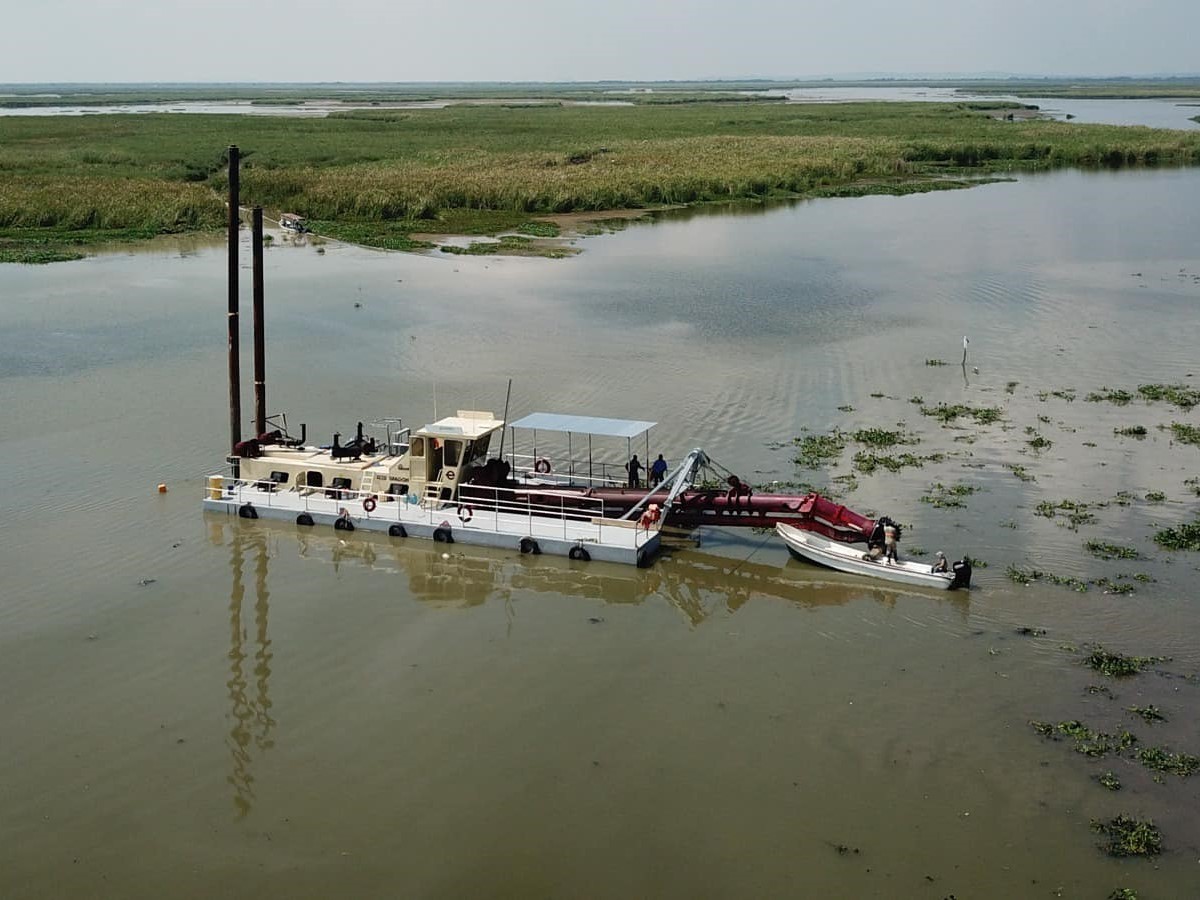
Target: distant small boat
{"x": 292, "y": 222}
{"x": 816, "y": 549}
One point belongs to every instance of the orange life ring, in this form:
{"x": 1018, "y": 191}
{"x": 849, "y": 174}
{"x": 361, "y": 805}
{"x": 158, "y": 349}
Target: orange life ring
{"x": 542, "y": 466}
{"x": 369, "y": 504}
{"x": 465, "y": 514}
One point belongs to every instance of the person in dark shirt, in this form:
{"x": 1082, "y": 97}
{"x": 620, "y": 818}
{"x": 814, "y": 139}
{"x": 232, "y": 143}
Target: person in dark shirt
{"x": 635, "y": 469}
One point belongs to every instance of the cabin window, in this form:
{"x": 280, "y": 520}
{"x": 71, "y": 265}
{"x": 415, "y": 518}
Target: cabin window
{"x": 341, "y": 483}
{"x": 279, "y": 477}
{"x": 397, "y": 490}
{"x": 451, "y": 453}
{"x": 418, "y": 446}
{"x": 315, "y": 479}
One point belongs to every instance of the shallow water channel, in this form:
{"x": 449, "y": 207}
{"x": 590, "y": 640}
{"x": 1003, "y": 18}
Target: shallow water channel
{"x": 200, "y": 707}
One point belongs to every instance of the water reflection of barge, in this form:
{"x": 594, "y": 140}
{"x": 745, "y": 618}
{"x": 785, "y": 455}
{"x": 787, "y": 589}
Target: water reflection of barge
{"x": 699, "y": 584}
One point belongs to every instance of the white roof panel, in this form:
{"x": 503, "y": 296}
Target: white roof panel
{"x": 626, "y": 428}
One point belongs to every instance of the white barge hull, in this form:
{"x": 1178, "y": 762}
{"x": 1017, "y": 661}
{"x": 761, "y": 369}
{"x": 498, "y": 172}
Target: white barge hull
{"x": 578, "y": 536}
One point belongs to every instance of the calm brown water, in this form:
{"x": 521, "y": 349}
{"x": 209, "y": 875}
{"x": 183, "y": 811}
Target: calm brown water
{"x": 279, "y": 714}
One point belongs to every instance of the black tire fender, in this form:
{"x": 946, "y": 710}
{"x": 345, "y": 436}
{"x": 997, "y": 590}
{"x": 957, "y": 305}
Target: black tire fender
{"x": 341, "y": 523}
{"x": 529, "y": 545}
{"x": 305, "y": 519}
{"x": 247, "y": 511}
{"x": 397, "y": 530}
{"x": 443, "y": 536}
{"x": 579, "y": 553}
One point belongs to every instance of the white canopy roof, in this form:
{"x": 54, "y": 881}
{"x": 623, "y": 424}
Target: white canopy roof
{"x": 626, "y": 428}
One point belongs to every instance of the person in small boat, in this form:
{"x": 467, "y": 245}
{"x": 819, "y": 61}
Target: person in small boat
{"x": 940, "y": 564}
{"x": 635, "y": 469}
{"x": 890, "y": 540}
{"x": 658, "y": 471}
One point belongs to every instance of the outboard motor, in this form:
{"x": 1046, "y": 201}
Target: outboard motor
{"x": 962, "y": 573}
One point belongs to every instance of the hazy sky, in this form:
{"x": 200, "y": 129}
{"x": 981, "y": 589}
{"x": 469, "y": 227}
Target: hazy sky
{"x": 579, "y": 40}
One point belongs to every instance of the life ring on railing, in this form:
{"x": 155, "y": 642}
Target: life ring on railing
{"x": 369, "y": 505}
{"x": 465, "y": 514}
{"x": 542, "y": 466}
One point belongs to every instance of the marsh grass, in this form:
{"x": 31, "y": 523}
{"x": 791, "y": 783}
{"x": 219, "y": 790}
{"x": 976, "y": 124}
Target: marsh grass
{"x": 1136, "y": 431}
{"x": 163, "y": 172}
{"x": 1112, "y": 395}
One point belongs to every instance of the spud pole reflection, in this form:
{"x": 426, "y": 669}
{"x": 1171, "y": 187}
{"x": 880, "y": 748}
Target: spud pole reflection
{"x": 250, "y": 716}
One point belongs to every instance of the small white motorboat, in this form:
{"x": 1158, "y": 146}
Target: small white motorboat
{"x": 846, "y": 558}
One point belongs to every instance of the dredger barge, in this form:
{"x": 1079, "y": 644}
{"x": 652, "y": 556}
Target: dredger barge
{"x": 444, "y": 482}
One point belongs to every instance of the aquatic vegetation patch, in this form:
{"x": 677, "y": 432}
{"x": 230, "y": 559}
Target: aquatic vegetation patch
{"x": 1020, "y": 472}
{"x": 1113, "y": 395}
{"x": 1067, "y": 394}
{"x": 917, "y": 399}
{"x": 1137, "y": 431}
{"x": 1109, "y": 780}
{"x": 867, "y": 462}
{"x": 1030, "y": 631}
{"x": 1184, "y": 537}
{"x": 1155, "y": 496}
{"x": 947, "y": 413}
{"x": 1129, "y": 837}
{"x": 846, "y": 409}
{"x": 1118, "y": 665}
{"x": 1148, "y": 714}
{"x": 1074, "y": 512}
{"x": 1011, "y": 386}
{"x": 1028, "y": 576}
{"x": 1159, "y": 760}
{"x": 539, "y": 229}
{"x": 1113, "y": 587}
{"x": 942, "y": 497}
{"x": 1105, "y": 550}
{"x": 1186, "y": 434}
{"x": 1193, "y": 484}
{"x": 1037, "y": 441}
{"x": 936, "y": 362}
{"x": 879, "y": 437}
{"x": 1178, "y": 394}
{"x": 816, "y": 450}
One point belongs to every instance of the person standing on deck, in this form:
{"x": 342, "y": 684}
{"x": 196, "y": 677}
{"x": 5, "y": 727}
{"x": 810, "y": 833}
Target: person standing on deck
{"x": 658, "y": 471}
{"x": 635, "y": 468}
{"x": 889, "y": 542}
